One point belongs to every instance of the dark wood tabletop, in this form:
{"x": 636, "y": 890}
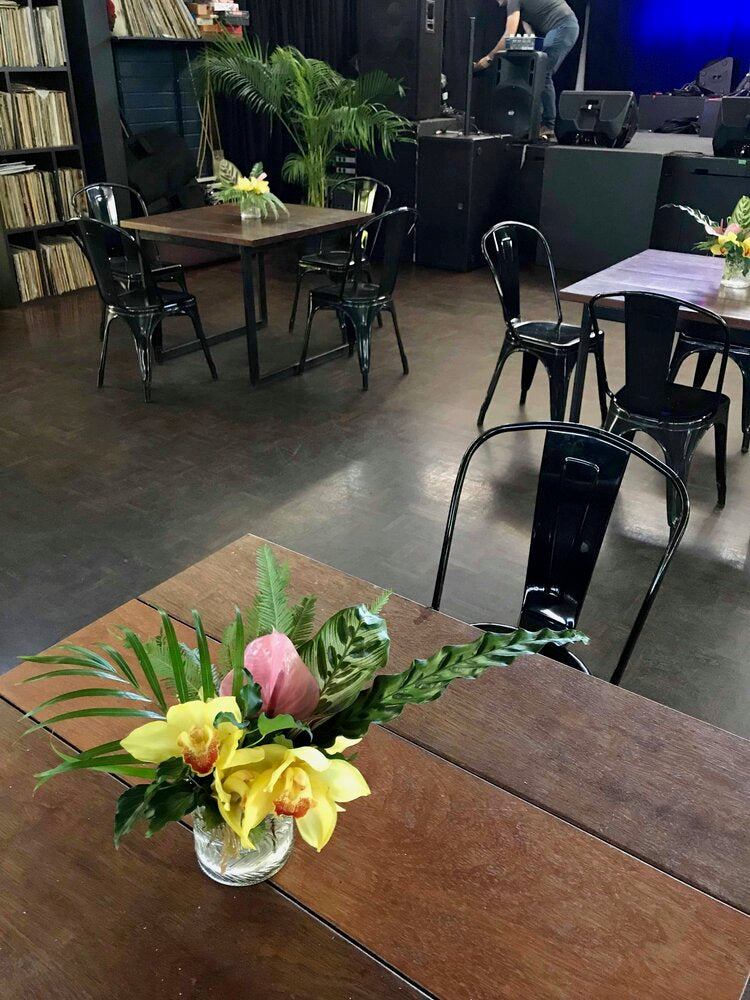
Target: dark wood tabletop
{"x": 444, "y": 877}
{"x": 692, "y": 277}
{"x": 222, "y": 224}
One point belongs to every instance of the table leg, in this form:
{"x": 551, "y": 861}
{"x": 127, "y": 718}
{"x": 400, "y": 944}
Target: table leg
{"x": 262, "y": 288}
{"x": 251, "y": 324}
{"x": 580, "y": 376}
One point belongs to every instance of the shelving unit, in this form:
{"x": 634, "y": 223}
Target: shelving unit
{"x": 45, "y": 157}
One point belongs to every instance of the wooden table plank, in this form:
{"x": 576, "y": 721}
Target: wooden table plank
{"x": 686, "y": 276}
{"x": 221, "y": 224}
{"x": 500, "y": 899}
{"x": 81, "y": 921}
{"x": 667, "y": 788}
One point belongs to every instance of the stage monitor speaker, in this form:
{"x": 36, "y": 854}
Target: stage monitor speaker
{"x": 405, "y": 38}
{"x": 716, "y": 78}
{"x": 511, "y": 99}
{"x": 732, "y": 136}
{"x": 606, "y": 118}
{"x": 463, "y": 189}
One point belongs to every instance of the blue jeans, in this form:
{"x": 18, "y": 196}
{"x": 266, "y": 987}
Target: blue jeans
{"x": 557, "y": 44}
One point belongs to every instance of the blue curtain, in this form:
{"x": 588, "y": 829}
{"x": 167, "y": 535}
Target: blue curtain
{"x": 659, "y": 45}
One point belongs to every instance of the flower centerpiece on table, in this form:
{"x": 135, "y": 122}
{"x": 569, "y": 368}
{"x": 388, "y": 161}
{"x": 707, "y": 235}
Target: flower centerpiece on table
{"x": 259, "y": 740}
{"x": 730, "y": 241}
{"x": 253, "y": 192}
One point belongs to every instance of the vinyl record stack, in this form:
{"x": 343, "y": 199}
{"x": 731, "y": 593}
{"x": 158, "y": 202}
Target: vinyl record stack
{"x": 40, "y": 154}
{"x": 153, "y": 19}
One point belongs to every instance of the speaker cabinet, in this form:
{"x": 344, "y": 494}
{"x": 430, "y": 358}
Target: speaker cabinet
{"x": 597, "y": 118}
{"x": 405, "y": 38}
{"x": 732, "y": 135}
{"x": 463, "y": 189}
{"x": 510, "y": 101}
{"x": 716, "y": 77}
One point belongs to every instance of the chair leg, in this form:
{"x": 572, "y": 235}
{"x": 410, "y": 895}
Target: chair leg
{"x": 744, "y": 366}
{"x": 311, "y": 310}
{"x": 401, "y": 351}
{"x": 530, "y": 362}
{"x": 720, "y": 432}
{"x": 196, "y": 320}
{"x": 702, "y": 368}
{"x": 367, "y": 273}
{"x": 142, "y": 337}
{"x": 505, "y": 352}
{"x": 298, "y": 286}
{"x": 103, "y": 323}
{"x": 678, "y": 453}
{"x": 106, "y": 323}
{"x": 601, "y": 377}
{"x": 363, "y": 350}
{"x": 559, "y": 378}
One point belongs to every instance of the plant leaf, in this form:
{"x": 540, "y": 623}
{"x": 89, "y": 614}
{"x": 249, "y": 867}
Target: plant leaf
{"x": 86, "y": 713}
{"x": 233, "y": 651}
{"x": 694, "y": 213}
{"x": 273, "y": 607}
{"x": 303, "y": 618}
{"x": 741, "y": 214}
{"x": 76, "y": 672}
{"x": 85, "y": 693}
{"x": 176, "y": 661}
{"x": 349, "y": 648}
{"x": 207, "y": 676}
{"x": 133, "y": 642}
{"x": 426, "y": 680}
{"x": 279, "y": 723}
{"x": 250, "y": 698}
{"x": 169, "y": 803}
{"x": 130, "y": 808}
{"x": 380, "y": 602}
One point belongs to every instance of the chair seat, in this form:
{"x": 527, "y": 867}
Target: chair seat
{"x": 359, "y": 293}
{"x": 548, "y": 334}
{"x": 168, "y": 300}
{"x": 684, "y": 404}
{"x": 326, "y": 260}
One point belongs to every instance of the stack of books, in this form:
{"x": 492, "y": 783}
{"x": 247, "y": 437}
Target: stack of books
{"x": 153, "y": 19}
{"x": 28, "y": 273}
{"x": 42, "y": 116}
{"x": 69, "y": 180}
{"x": 50, "y": 35}
{"x": 7, "y": 132}
{"x": 17, "y": 41}
{"x": 27, "y": 198}
{"x": 65, "y": 267}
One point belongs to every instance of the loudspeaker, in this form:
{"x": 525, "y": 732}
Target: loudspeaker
{"x": 654, "y": 110}
{"x": 463, "y": 189}
{"x": 732, "y": 136}
{"x": 597, "y": 118}
{"x": 510, "y": 101}
{"x": 405, "y": 38}
{"x": 716, "y": 77}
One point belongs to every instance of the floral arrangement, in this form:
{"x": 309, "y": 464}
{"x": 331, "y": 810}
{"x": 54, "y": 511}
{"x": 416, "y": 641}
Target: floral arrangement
{"x": 266, "y": 730}
{"x": 730, "y": 240}
{"x": 252, "y": 192}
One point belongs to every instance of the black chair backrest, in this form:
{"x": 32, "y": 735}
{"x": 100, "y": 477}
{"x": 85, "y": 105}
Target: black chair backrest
{"x": 394, "y": 226}
{"x": 579, "y": 480}
{"x": 357, "y": 194}
{"x": 108, "y": 203}
{"x": 102, "y": 244}
{"x": 651, "y": 327}
{"x": 500, "y": 247}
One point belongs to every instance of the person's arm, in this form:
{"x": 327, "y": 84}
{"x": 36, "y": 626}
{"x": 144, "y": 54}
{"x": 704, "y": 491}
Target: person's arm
{"x": 512, "y": 25}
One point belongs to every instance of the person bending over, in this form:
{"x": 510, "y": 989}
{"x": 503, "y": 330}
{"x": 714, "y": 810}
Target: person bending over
{"x": 557, "y": 24}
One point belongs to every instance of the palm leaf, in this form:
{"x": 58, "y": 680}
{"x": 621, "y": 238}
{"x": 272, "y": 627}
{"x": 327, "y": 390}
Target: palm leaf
{"x": 176, "y": 661}
{"x": 273, "y": 607}
{"x": 207, "y": 677}
{"x": 87, "y": 713}
{"x": 75, "y": 672}
{"x": 303, "y": 618}
{"x": 85, "y": 693}
{"x": 133, "y": 642}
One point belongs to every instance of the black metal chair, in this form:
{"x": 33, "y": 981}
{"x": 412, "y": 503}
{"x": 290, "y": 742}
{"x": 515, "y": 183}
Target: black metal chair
{"x": 357, "y": 301}
{"x": 356, "y": 194}
{"x": 142, "y": 307}
{"x": 554, "y": 342}
{"x": 675, "y": 416}
{"x": 107, "y": 203}
{"x": 579, "y": 480}
{"x": 696, "y": 338}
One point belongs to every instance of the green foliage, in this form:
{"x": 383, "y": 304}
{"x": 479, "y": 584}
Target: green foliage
{"x": 319, "y": 108}
{"x": 741, "y": 214}
{"x": 108, "y": 757}
{"x": 699, "y": 217}
{"x": 171, "y": 795}
{"x": 426, "y": 680}
{"x": 347, "y": 651}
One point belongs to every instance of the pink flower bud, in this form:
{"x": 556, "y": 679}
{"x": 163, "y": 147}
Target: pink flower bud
{"x": 286, "y": 685}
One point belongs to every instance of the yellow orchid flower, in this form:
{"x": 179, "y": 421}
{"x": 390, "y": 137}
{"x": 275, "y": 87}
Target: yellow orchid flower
{"x": 290, "y": 781}
{"x": 746, "y": 247}
{"x": 258, "y": 185}
{"x": 718, "y": 250}
{"x": 727, "y": 238}
{"x": 188, "y": 732}
{"x": 244, "y": 184}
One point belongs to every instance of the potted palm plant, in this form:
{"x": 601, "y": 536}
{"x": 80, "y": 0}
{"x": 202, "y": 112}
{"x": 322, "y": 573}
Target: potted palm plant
{"x": 319, "y": 108}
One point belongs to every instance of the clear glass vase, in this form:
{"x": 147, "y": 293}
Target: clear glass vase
{"x": 736, "y": 272}
{"x": 249, "y": 208}
{"x": 222, "y": 857}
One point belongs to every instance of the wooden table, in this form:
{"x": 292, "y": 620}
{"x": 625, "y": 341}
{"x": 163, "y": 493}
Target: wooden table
{"x": 686, "y": 276}
{"x": 221, "y": 225}
{"x": 535, "y": 834}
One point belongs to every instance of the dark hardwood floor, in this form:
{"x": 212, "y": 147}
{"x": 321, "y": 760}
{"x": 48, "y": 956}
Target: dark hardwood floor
{"x": 103, "y": 496}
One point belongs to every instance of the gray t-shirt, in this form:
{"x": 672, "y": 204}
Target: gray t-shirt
{"x": 542, "y": 15}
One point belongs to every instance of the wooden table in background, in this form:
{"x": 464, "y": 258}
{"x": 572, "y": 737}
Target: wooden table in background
{"x": 221, "y": 225}
{"x": 685, "y": 276}
{"x": 534, "y": 835}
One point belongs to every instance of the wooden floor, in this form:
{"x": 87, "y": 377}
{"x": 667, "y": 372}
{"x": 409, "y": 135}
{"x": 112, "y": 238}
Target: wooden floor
{"x": 102, "y": 496}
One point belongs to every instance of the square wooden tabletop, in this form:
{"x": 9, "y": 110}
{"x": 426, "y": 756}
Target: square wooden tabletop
{"x": 221, "y": 224}
{"x": 692, "y": 277}
{"x": 553, "y": 861}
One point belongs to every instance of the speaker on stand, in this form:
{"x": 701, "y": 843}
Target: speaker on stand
{"x": 405, "y": 38}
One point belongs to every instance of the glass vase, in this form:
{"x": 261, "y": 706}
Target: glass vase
{"x": 249, "y": 208}
{"x": 222, "y": 857}
{"x": 736, "y": 272}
